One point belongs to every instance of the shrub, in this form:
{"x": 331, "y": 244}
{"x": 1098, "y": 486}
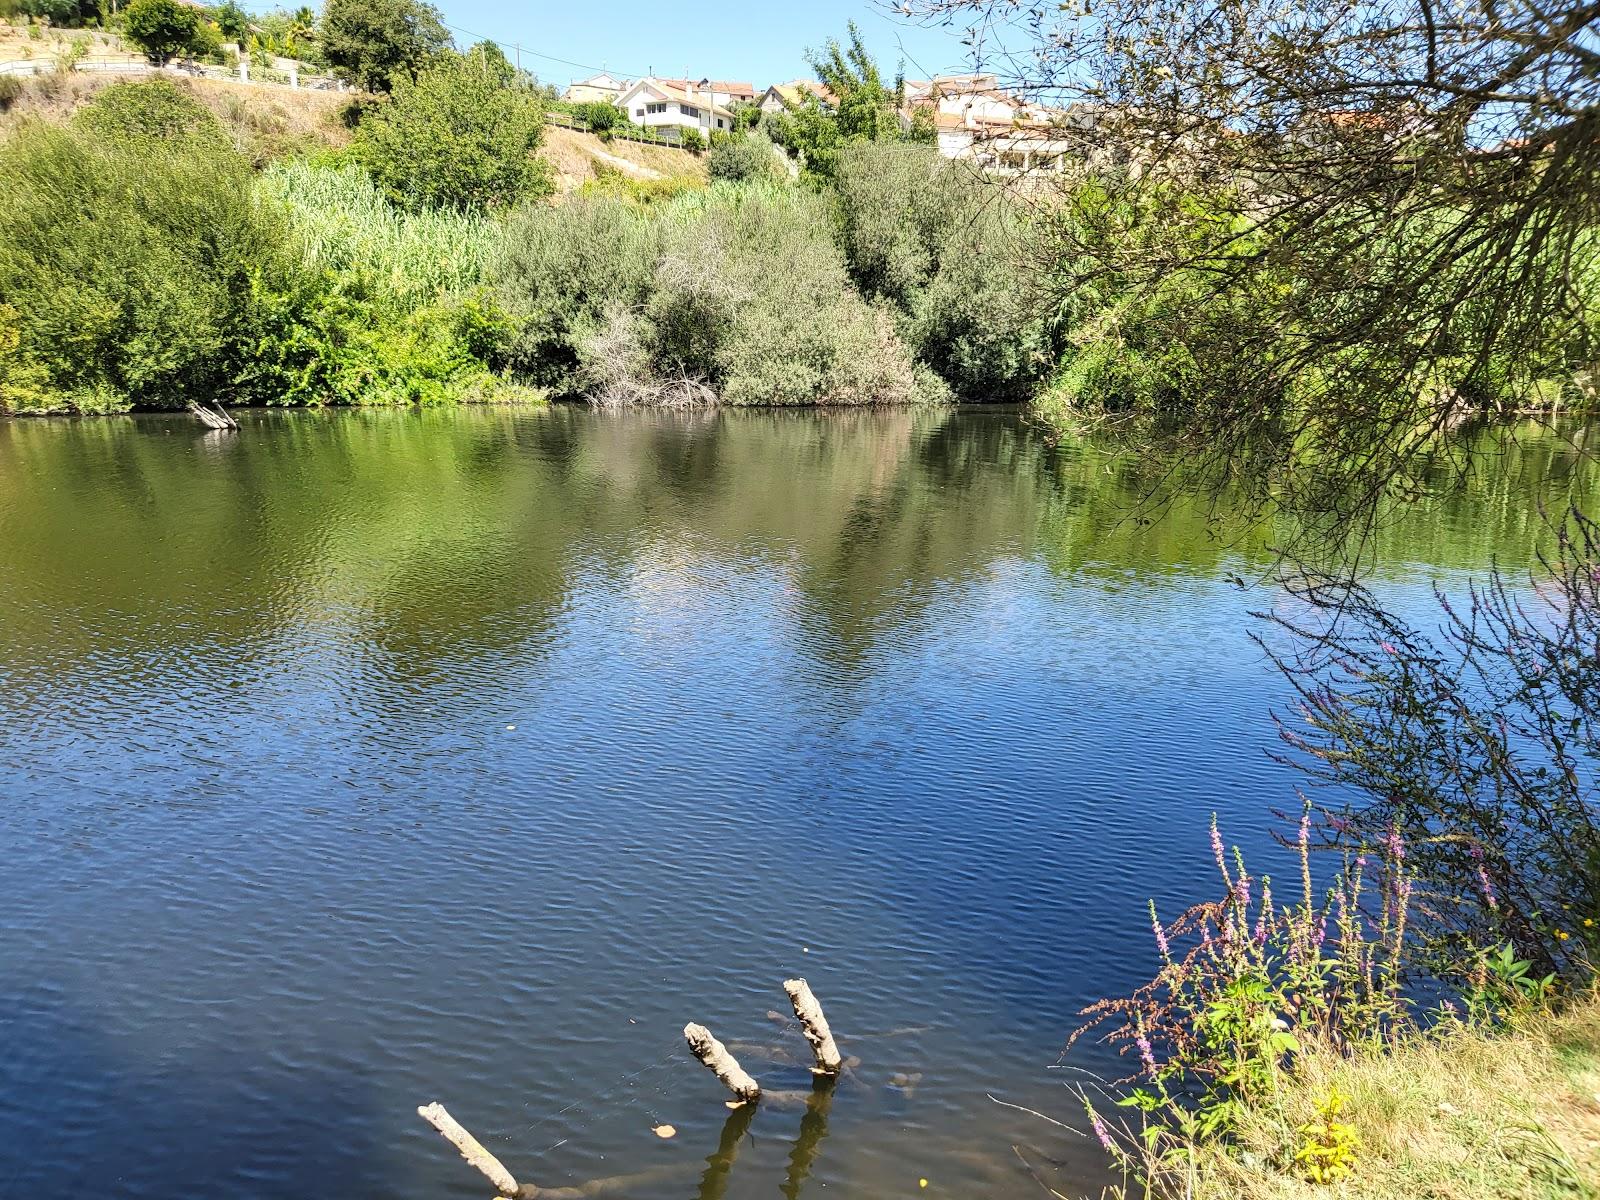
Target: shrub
{"x": 601, "y": 118}
{"x": 948, "y": 251}
{"x": 691, "y": 139}
{"x": 151, "y": 109}
{"x": 132, "y": 265}
{"x": 742, "y": 159}
{"x": 459, "y": 136}
{"x": 163, "y": 29}
{"x": 11, "y": 89}
{"x": 385, "y": 305}
{"x": 748, "y": 302}
{"x": 561, "y": 270}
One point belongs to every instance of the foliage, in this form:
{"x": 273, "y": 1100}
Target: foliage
{"x": 744, "y": 158}
{"x": 1479, "y": 748}
{"x": 600, "y": 116}
{"x": 375, "y": 43}
{"x": 862, "y": 109}
{"x": 146, "y": 303}
{"x": 231, "y": 21}
{"x": 730, "y": 294}
{"x": 384, "y": 306}
{"x": 11, "y": 89}
{"x": 1420, "y": 193}
{"x": 1328, "y": 1153}
{"x": 63, "y": 13}
{"x": 149, "y": 111}
{"x": 691, "y": 139}
{"x": 163, "y": 29}
{"x": 950, "y": 252}
{"x": 461, "y": 135}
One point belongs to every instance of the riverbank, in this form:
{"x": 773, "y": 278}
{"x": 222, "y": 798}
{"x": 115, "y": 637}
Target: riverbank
{"x": 1504, "y": 1115}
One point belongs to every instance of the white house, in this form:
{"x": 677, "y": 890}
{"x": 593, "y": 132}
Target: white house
{"x": 659, "y": 103}
{"x": 977, "y": 122}
{"x": 602, "y": 89}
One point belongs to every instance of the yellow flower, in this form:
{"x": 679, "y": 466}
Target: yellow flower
{"x": 1588, "y": 922}
{"x": 1562, "y": 935}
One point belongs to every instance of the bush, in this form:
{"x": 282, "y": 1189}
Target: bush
{"x": 11, "y": 89}
{"x": 132, "y": 265}
{"x": 691, "y": 139}
{"x": 601, "y": 118}
{"x": 163, "y": 29}
{"x": 151, "y": 109}
{"x": 742, "y": 159}
{"x": 460, "y": 136}
{"x": 562, "y": 269}
{"x": 385, "y": 306}
{"x": 948, "y": 251}
{"x": 737, "y": 295}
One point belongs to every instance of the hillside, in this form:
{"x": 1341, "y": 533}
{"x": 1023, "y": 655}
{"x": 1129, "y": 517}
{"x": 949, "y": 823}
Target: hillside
{"x": 265, "y": 122}
{"x": 581, "y": 157}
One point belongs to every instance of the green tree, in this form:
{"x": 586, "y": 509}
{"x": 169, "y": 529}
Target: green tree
{"x": 742, "y": 158}
{"x": 459, "y": 136}
{"x": 65, "y": 13}
{"x": 163, "y": 29}
{"x": 863, "y": 109}
{"x": 232, "y": 21}
{"x": 375, "y": 43}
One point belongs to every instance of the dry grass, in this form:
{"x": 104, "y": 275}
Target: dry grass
{"x": 581, "y": 158}
{"x": 1510, "y": 1117}
{"x": 264, "y": 122}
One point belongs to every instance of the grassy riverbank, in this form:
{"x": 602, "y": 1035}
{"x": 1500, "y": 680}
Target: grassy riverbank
{"x": 1506, "y": 1115}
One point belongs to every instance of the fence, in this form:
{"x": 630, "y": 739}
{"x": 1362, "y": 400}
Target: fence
{"x": 668, "y": 136}
{"x": 260, "y": 76}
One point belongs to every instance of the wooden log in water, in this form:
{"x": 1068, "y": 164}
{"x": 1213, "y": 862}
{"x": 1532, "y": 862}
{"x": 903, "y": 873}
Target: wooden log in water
{"x": 723, "y": 1065}
{"x": 814, "y": 1025}
{"x": 503, "y": 1182}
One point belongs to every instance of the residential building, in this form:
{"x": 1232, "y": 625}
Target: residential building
{"x": 977, "y": 121}
{"x": 597, "y": 89}
{"x": 661, "y": 103}
{"x": 780, "y": 96}
{"x": 726, "y": 92}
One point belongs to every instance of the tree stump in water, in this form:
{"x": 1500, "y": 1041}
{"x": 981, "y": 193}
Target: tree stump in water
{"x": 723, "y": 1065}
{"x": 814, "y": 1025}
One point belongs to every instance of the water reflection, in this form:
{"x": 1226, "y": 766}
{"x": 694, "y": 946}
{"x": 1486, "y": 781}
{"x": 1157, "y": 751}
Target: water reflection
{"x": 367, "y": 758}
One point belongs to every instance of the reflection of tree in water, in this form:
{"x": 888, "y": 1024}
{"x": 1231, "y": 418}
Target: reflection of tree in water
{"x": 434, "y": 539}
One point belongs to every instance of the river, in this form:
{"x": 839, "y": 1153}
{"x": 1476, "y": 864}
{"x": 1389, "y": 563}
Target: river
{"x": 364, "y": 759}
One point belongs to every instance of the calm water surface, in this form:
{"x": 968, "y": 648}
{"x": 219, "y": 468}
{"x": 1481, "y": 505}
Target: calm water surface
{"x": 366, "y": 759}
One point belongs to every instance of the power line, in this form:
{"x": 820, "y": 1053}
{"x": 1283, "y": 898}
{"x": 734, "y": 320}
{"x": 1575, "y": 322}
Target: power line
{"x": 520, "y": 49}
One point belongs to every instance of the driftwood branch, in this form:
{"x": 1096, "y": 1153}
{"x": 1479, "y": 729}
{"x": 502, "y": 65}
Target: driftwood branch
{"x": 814, "y": 1025}
{"x": 723, "y": 1065}
{"x": 503, "y": 1182}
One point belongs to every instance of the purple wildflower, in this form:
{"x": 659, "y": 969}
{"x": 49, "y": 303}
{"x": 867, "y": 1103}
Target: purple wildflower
{"x": 1388, "y": 648}
{"x": 1102, "y": 1133}
{"x": 1161, "y": 934}
{"x": 1241, "y": 891}
{"x": 1147, "y": 1055}
{"x": 1395, "y": 845}
{"x": 1487, "y": 888}
{"x": 1216, "y": 848}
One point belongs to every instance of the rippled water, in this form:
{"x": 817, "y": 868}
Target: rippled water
{"x": 366, "y": 759}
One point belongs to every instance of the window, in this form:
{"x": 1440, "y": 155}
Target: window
{"x": 720, "y": 125}
{"x": 658, "y": 109}
{"x": 638, "y": 112}
{"x": 689, "y": 110}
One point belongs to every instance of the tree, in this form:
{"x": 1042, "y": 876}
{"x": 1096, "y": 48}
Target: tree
{"x": 861, "y": 108}
{"x": 459, "y": 136}
{"x": 232, "y": 21}
{"x": 1405, "y": 194}
{"x": 163, "y": 29}
{"x": 742, "y": 158}
{"x": 64, "y": 13}
{"x": 373, "y": 43}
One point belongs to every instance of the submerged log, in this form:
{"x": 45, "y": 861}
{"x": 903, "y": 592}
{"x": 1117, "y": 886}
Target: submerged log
{"x": 814, "y": 1025}
{"x": 503, "y": 1182}
{"x": 723, "y": 1065}
{"x": 214, "y": 417}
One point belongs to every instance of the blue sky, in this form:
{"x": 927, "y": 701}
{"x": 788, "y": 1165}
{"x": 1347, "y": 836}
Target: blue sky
{"x": 761, "y": 42}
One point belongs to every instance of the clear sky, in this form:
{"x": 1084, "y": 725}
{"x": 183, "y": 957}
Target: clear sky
{"x": 759, "y": 41}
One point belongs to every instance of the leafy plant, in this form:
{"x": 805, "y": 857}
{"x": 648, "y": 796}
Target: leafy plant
{"x": 460, "y": 136}
{"x": 1328, "y": 1152}
{"x": 163, "y": 29}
